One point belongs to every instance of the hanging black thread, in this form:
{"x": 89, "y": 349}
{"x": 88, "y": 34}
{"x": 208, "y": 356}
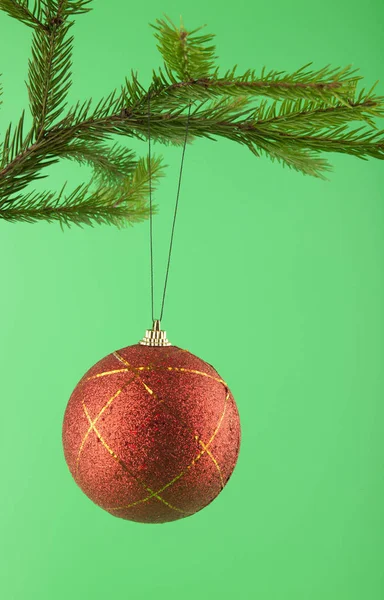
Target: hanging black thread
{"x": 150, "y": 204}
{"x": 174, "y": 214}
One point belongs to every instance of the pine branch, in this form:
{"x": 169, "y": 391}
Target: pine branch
{"x": 184, "y": 52}
{"x": 26, "y": 167}
{"x": 358, "y": 142}
{"x": 219, "y": 118}
{"x": 325, "y": 84}
{"x": 169, "y": 94}
{"x": 34, "y": 15}
{"x": 14, "y": 142}
{"x": 49, "y": 75}
{"x": 71, "y": 7}
{"x": 296, "y": 115}
{"x": 190, "y": 62}
{"x": 340, "y": 86}
{"x": 229, "y": 118}
{"x": 50, "y": 67}
{"x": 222, "y": 119}
{"x": 109, "y": 163}
{"x": 138, "y": 184}
{"x": 79, "y": 208}
{"x": 292, "y": 156}
{"x": 120, "y": 203}
{"x": 290, "y": 117}
{"x": 22, "y": 11}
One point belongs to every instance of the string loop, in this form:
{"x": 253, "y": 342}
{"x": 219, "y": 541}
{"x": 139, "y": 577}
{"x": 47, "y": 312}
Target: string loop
{"x": 174, "y": 214}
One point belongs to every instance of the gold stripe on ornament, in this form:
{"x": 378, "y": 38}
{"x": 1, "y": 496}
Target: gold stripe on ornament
{"x": 122, "y": 463}
{"x": 214, "y": 461}
{"x": 124, "y": 361}
{"x": 152, "y": 393}
{"x": 105, "y": 373}
{"x": 165, "y": 368}
{"x": 134, "y": 369}
{"x": 102, "y": 440}
{"x": 201, "y": 453}
{"x": 91, "y": 427}
{"x": 184, "y": 370}
{"x": 97, "y": 418}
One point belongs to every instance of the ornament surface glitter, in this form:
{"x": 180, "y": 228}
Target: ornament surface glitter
{"x": 151, "y": 434}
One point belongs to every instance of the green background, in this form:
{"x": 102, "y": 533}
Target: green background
{"x": 277, "y": 279}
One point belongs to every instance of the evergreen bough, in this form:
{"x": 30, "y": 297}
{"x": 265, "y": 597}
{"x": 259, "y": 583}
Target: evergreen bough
{"x": 292, "y": 118}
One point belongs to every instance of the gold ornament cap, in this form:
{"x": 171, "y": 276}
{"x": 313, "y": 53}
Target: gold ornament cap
{"x": 155, "y": 336}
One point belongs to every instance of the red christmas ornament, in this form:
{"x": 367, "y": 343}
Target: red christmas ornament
{"x": 151, "y": 433}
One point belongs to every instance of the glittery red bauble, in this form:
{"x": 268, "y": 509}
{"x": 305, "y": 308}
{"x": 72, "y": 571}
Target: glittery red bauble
{"x": 151, "y": 434}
